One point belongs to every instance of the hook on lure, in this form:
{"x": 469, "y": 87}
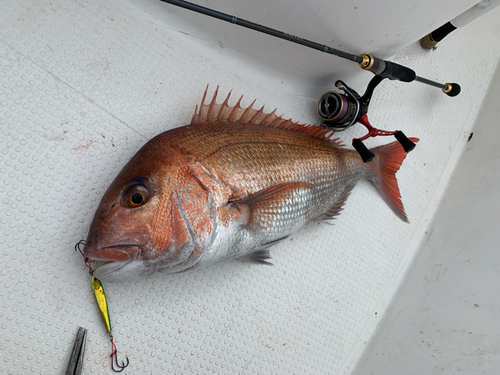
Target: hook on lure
{"x": 80, "y": 243}
{"x": 87, "y": 260}
{"x": 103, "y": 308}
{"x": 114, "y": 358}
{"x": 102, "y": 303}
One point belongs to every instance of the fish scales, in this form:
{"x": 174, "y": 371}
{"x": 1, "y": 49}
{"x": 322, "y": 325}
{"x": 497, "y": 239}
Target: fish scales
{"x": 231, "y": 184}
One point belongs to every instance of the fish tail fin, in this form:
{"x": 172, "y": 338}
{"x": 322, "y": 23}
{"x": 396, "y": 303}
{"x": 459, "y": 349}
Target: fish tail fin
{"x": 388, "y": 159}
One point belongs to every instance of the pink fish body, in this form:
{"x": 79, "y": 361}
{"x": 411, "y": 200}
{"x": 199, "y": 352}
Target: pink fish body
{"x": 231, "y": 184}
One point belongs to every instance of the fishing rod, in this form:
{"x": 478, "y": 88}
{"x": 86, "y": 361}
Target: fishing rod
{"x": 340, "y": 111}
{"x": 383, "y": 68}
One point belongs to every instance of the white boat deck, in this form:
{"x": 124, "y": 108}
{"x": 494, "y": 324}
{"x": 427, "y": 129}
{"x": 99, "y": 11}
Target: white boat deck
{"x": 83, "y": 86}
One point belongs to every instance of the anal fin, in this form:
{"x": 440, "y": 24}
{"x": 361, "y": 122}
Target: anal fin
{"x": 337, "y": 208}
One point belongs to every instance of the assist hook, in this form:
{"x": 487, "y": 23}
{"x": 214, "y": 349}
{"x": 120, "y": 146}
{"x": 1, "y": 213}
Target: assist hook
{"x": 81, "y": 243}
{"x": 114, "y": 358}
{"x": 121, "y": 367}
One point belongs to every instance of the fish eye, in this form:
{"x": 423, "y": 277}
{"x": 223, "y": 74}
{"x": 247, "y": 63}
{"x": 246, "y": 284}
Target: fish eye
{"x": 136, "y": 196}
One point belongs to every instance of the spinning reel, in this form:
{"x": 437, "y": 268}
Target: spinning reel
{"x": 340, "y": 111}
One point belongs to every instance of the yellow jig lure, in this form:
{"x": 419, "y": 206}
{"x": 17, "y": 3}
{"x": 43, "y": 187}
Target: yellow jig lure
{"x": 100, "y": 297}
{"x": 102, "y": 303}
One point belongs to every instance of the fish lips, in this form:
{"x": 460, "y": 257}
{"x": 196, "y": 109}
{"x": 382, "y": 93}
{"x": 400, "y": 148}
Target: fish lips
{"x": 116, "y": 256}
{"x": 112, "y": 253}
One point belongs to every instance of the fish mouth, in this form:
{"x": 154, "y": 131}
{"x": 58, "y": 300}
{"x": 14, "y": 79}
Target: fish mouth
{"x": 112, "y": 258}
{"x": 109, "y": 268}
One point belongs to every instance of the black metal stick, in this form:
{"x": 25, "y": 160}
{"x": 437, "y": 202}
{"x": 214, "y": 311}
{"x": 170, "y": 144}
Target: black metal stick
{"x": 264, "y": 29}
{"x": 385, "y": 69}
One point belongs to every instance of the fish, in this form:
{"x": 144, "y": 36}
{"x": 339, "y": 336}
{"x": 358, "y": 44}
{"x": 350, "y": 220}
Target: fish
{"x": 231, "y": 184}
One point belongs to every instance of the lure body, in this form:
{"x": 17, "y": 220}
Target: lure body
{"x": 102, "y": 303}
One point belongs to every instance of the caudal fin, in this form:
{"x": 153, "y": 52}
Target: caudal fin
{"x": 388, "y": 159}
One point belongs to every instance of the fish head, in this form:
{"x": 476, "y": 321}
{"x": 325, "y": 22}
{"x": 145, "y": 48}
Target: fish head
{"x": 122, "y": 229}
{"x": 149, "y": 219}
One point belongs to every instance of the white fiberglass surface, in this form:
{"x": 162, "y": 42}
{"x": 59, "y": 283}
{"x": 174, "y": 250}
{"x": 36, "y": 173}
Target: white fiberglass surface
{"x": 83, "y": 87}
{"x": 444, "y": 318}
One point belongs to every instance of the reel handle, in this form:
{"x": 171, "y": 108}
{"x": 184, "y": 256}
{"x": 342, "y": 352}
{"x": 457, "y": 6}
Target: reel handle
{"x": 363, "y": 151}
{"x": 405, "y": 142}
{"x": 368, "y": 156}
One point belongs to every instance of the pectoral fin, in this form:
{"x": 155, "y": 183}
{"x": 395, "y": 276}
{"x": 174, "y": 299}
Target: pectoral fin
{"x": 280, "y": 206}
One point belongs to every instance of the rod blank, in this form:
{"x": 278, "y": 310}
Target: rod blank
{"x": 385, "y": 69}
{"x": 264, "y": 29}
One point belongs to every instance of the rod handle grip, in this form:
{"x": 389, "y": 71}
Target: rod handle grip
{"x": 398, "y": 72}
{"x": 387, "y": 69}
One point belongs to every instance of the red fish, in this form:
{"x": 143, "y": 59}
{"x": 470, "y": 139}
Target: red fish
{"x": 231, "y": 184}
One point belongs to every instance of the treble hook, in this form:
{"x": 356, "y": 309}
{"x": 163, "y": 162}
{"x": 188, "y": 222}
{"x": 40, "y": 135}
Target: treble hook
{"x": 121, "y": 367}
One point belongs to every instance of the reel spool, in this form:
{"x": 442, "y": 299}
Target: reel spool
{"x": 339, "y": 111}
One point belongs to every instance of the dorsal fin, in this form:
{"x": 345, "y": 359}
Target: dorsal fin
{"x": 224, "y": 112}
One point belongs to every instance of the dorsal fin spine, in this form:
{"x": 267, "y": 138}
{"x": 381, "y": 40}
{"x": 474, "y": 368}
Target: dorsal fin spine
{"x": 194, "y": 120}
{"x": 276, "y": 121}
{"x": 247, "y": 111}
{"x": 269, "y": 115}
{"x": 235, "y": 110}
{"x": 257, "y": 114}
{"x": 212, "y": 104}
{"x": 223, "y": 107}
{"x": 218, "y": 112}
{"x": 198, "y": 120}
